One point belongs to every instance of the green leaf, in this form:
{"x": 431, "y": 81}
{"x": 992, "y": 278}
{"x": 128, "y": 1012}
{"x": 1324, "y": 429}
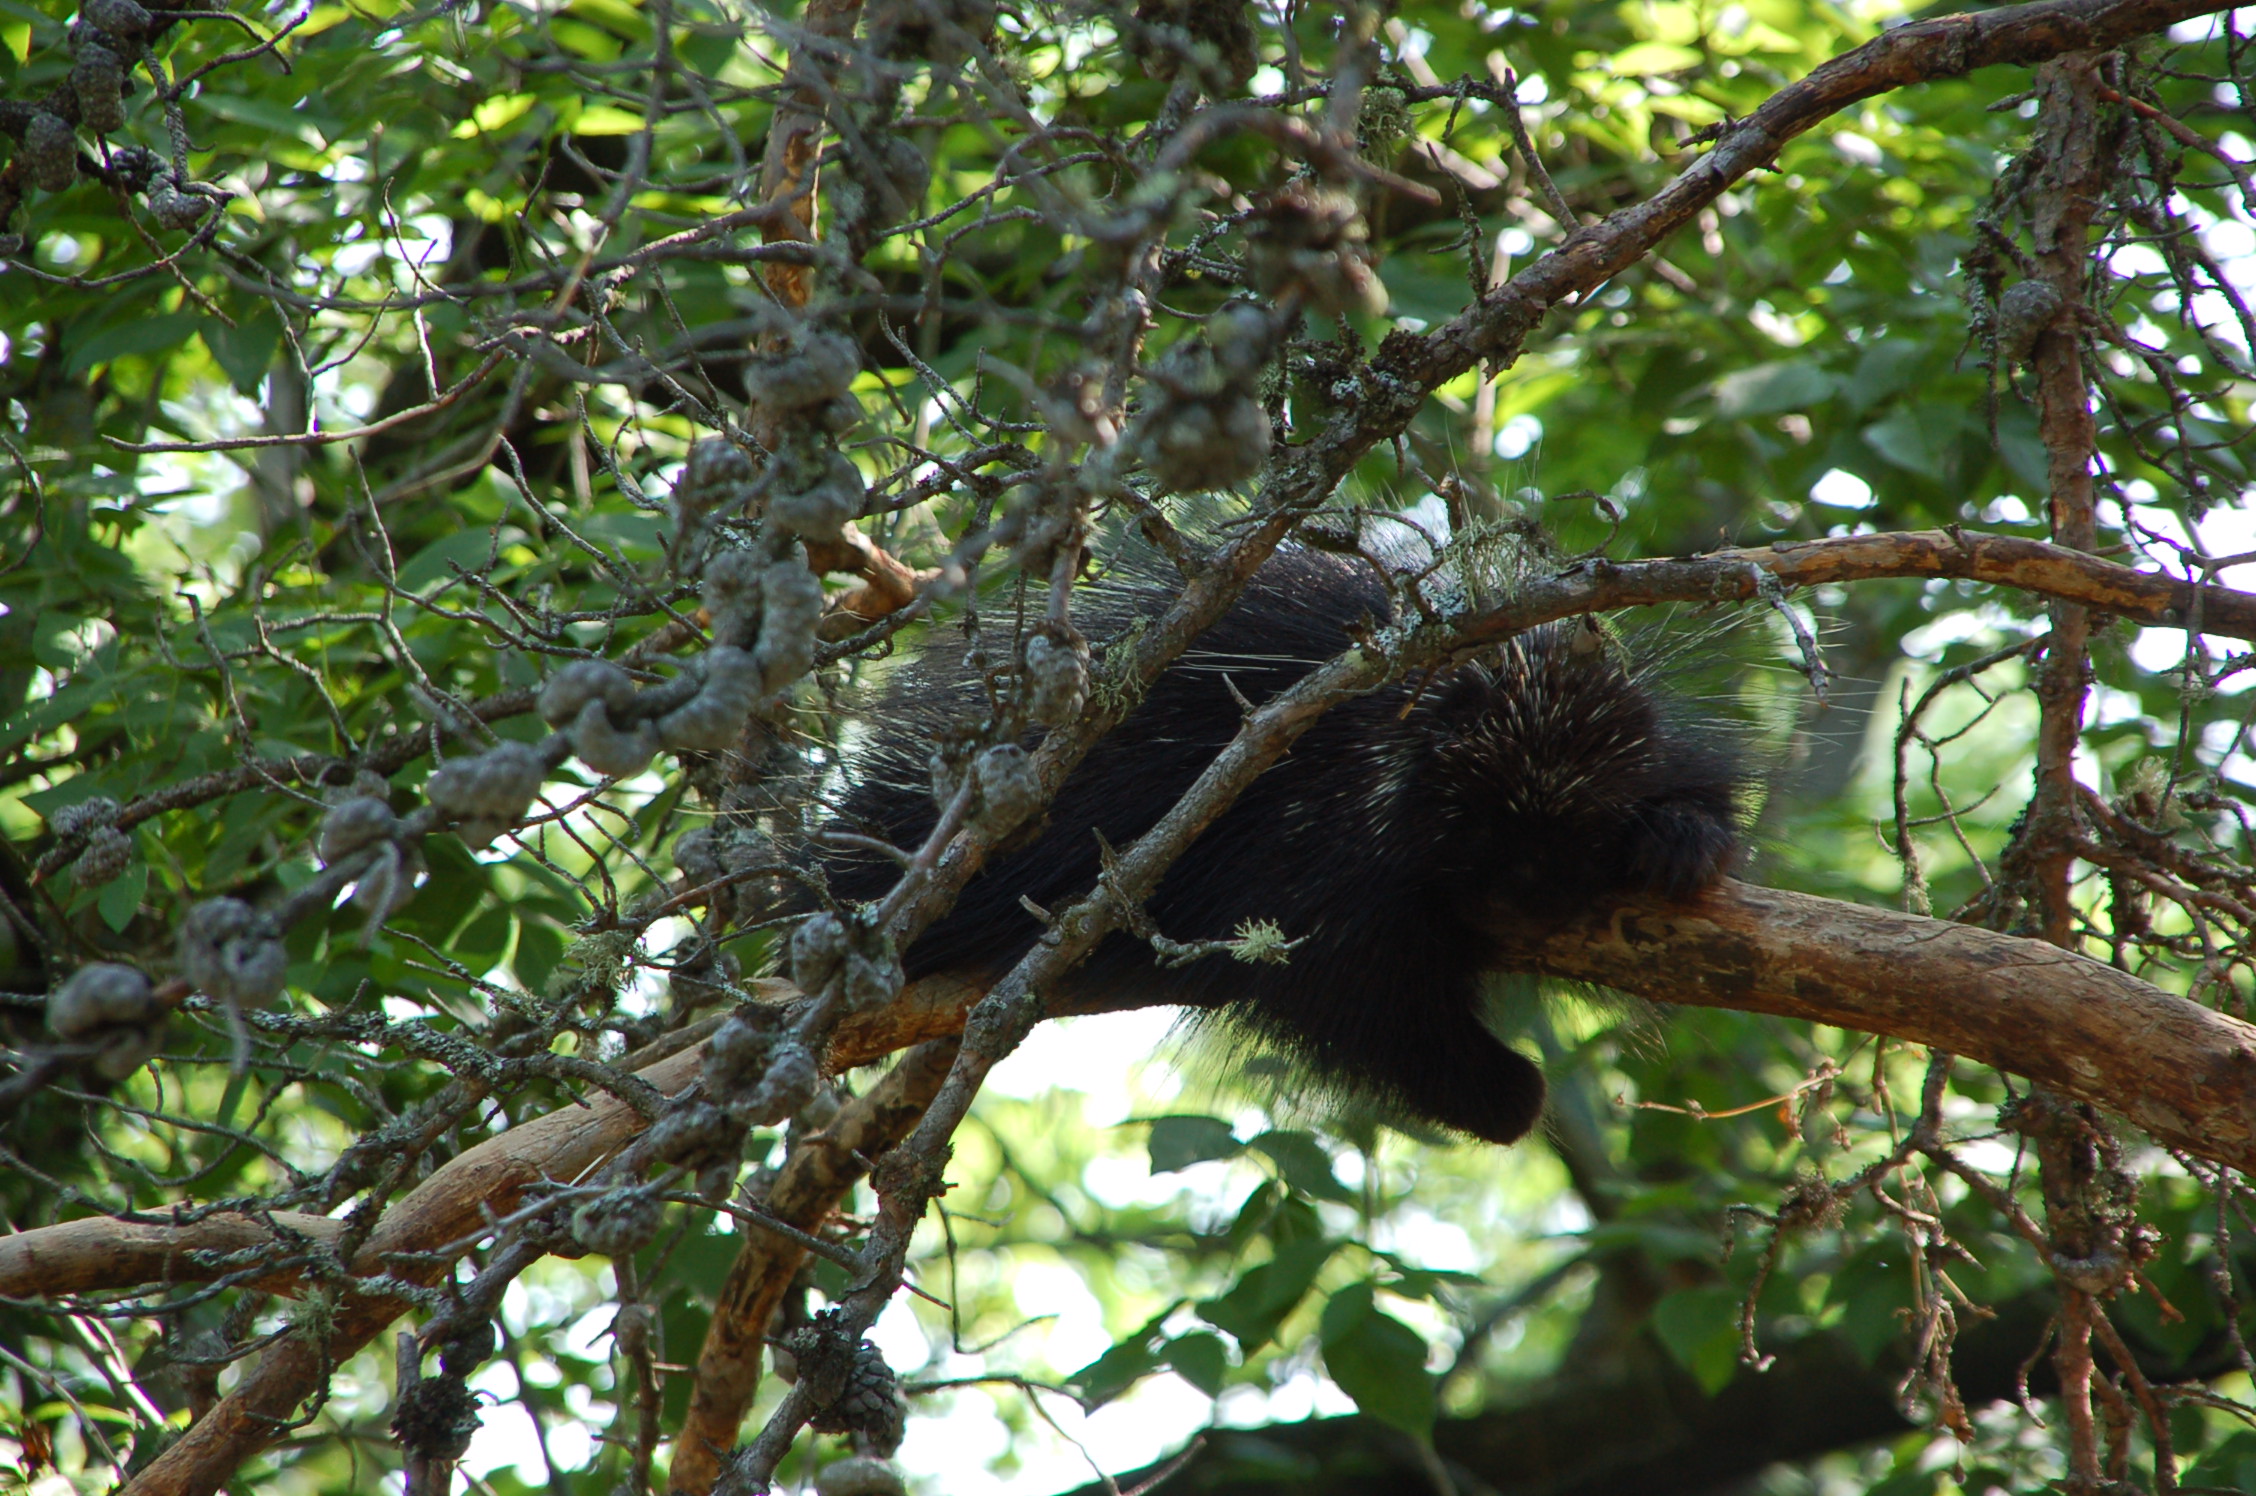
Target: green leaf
{"x": 92, "y": 1411}
{"x": 606, "y": 119}
{"x": 706, "y": 48}
{"x": 1259, "y": 1301}
{"x": 1769, "y": 389}
{"x": 436, "y": 562}
{"x": 1664, "y": 1240}
{"x": 60, "y": 640}
{"x": 618, "y": 15}
{"x": 2231, "y": 1465}
{"x": 1255, "y": 1215}
{"x": 133, "y": 335}
{"x": 299, "y": 120}
{"x": 1303, "y": 1163}
{"x": 1872, "y": 1292}
{"x": 120, "y": 898}
{"x": 1888, "y": 367}
{"x": 1116, "y": 1370}
{"x": 484, "y": 940}
{"x": 540, "y": 950}
{"x": 1201, "y": 1359}
{"x": 65, "y": 705}
{"x": 590, "y": 42}
{"x": 1133, "y": 1357}
{"x": 246, "y": 350}
{"x": 1179, "y": 1141}
{"x": 2022, "y": 449}
{"x": 1378, "y": 1360}
{"x": 1918, "y": 440}
{"x": 1700, "y": 1328}
{"x": 1647, "y": 58}
{"x": 636, "y": 533}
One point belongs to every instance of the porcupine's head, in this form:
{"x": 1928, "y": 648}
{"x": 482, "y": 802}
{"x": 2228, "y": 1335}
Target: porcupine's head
{"x": 1566, "y": 778}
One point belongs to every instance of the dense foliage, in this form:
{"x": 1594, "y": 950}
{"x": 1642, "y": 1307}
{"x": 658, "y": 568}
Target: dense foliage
{"x": 385, "y": 363}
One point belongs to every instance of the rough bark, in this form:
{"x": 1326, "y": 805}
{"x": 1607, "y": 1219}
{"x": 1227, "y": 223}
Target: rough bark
{"x": 101, "y": 1253}
{"x": 451, "y": 1207}
{"x": 2183, "y": 1072}
{"x": 2075, "y": 152}
{"x": 808, "y": 1188}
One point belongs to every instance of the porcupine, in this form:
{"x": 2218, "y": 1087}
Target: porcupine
{"x": 1538, "y": 778}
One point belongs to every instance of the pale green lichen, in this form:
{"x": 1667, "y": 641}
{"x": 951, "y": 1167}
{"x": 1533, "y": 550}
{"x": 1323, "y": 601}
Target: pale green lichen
{"x": 1260, "y": 942}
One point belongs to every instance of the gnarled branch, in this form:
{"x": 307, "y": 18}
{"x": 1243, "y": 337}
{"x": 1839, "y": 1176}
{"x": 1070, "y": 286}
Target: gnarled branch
{"x": 2183, "y": 1072}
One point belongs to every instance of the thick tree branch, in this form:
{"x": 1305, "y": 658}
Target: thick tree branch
{"x": 2183, "y": 1072}
{"x": 448, "y": 1210}
{"x": 101, "y": 1252}
{"x": 806, "y": 1190}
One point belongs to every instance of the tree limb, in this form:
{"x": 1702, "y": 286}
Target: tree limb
{"x": 2033, "y": 566}
{"x": 807, "y": 1189}
{"x": 1409, "y": 367}
{"x": 2183, "y": 1072}
{"x": 102, "y": 1252}
{"x": 450, "y": 1208}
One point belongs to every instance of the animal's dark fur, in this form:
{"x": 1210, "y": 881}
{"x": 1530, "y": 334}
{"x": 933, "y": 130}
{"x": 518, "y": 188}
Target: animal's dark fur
{"x": 1543, "y": 777}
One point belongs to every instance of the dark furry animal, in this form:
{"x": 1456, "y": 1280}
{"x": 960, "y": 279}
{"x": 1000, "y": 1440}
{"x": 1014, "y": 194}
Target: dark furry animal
{"x": 1539, "y": 778}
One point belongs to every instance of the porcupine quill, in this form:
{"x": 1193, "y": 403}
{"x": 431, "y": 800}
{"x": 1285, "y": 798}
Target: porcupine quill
{"x": 1540, "y": 777}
